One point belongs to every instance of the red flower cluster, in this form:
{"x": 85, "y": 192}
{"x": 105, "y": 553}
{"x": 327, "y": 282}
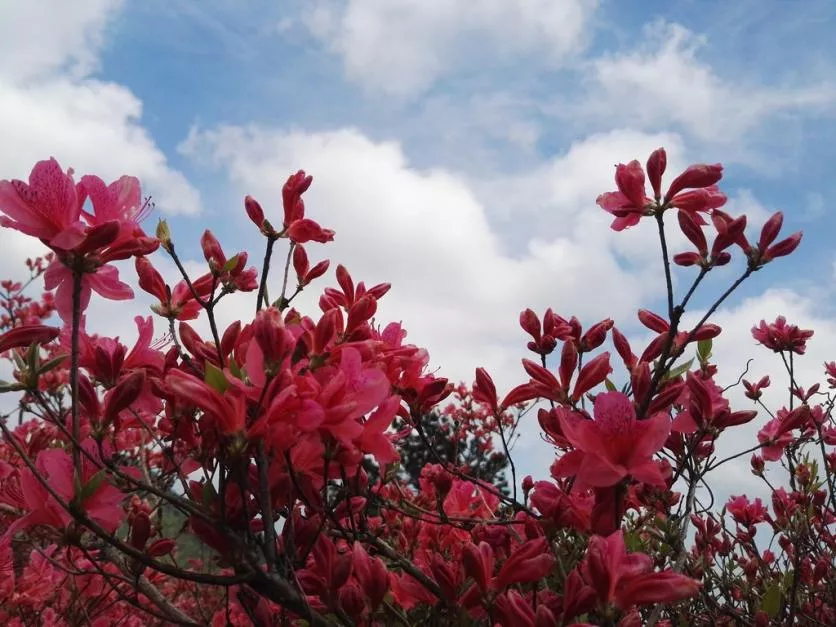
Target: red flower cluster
{"x": 250, "y": 475}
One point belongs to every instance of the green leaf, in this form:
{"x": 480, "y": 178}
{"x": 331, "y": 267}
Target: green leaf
{"x": 164, "y": 235}
{"x": 771, "y": 601}
{"x": 19, "y": 363}
{"x": 215, "y": 377}
{"x": 51, "y": 364}
{"x": 704, "y": 349}
{"x": 33, "y": 356}
{"x": 680, "y": 370}
{"x": 633, "y": 542}
{"x": 209, "y": 493}
{"x": 92, "y": 486}
{"x": 5, "y": 386}
{"x": 610, "y": 385}
{"x": 231, "y": 263}
{"x": 235, "y": 369}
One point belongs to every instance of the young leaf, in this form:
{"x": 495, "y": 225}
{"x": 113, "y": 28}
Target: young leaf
{"x": 704, "y": 350}
{"x": 215, "y": 377}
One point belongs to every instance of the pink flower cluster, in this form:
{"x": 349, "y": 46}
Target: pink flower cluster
{"x": 249, "y": 475}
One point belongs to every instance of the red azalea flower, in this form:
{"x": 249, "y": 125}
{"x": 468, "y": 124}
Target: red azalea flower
{"x": 613, "y": 446}
{"x": 626, "y": 580}
{"x": 779, "y": 336}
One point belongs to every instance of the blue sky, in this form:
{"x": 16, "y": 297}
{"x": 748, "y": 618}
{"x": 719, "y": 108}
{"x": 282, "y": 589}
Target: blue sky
{"x": 258, "y": 62}
{"x": 457, "y": 146}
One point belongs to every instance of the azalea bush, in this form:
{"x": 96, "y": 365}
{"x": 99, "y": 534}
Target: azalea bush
{"x": 249, "y": 475}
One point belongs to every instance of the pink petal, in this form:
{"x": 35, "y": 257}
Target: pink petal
{"x": 583, "y": 434}
{"x": 599, "y": 472}
{"x": 651, "y": 435}
{"x": 105, "y": 282}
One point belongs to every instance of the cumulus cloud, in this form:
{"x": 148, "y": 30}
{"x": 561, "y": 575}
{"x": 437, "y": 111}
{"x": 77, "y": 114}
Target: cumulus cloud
{"x": 40, "y": 38}
{"x": 91, "y": 126}
{"x": 463, "y": 263}
{"x": 664, "y": 83}
{"x": 50, "y": 104}
{"x": 401, "y": 48}
{"x": 456, "y": 286}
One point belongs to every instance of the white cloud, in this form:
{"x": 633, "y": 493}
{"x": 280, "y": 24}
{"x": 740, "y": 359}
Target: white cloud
{"x": 663, "y": 83}
{"x": 50, "y": 106}
{"x": 91, "y": 126}
{"x": 38, "y": 38}
{"x": 456, "y": 288}
{"x": 401, "y": 47}
{"x": 456, "y": 285}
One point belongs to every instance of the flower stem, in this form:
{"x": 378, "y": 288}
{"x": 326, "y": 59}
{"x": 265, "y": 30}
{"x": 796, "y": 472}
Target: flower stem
{"x": 262, "y": 287}
{"x": 74, "y": 350}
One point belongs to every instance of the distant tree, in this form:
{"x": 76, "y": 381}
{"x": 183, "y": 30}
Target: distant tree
{"x": 464, "y": 434}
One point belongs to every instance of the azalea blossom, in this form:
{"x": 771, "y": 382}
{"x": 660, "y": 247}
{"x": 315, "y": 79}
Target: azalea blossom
{"x": 613, "y": 446}
{"x": 779, "y": 336}
{"x": 694, "y": 190}
{"x": 50, "y": 207}
{"x": 627, "y": 579}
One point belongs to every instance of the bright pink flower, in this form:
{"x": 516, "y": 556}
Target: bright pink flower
{"x": 613, "y": 446}
{"x": 707, "y": 409}
{"x": 178, "y": 303}
{"x": 120, "y": 201}
{"x": 294, "y": 207}
{"x": 830, "y": 373}
{"x": 104, "y": 281}
{"x": 776, "y": 434}
{"x": 374, "y": 440}
{"x": 212, "y": 251}
{"x": 529, "y": 562}
{"x": 699, "y": 200}
{"x": 7, "y": 570}
{"x": 254, "y": 211}
{"x": 297, "y": 227}
{"x": 227, "y": 412}
{"x": 626, "y": 580}
{"x": 304, "y": 273}
{"x": 656, "y": 164}
{"x": 592, "y": 374}
{"x": 753, "y": 390}
{"x": 100, "y": 500}
{"x": 746, "y": 512}
{"x": 372, "y": 575}
{"x": 484, "y": 390}
{"x": 779, "y": 336}
{"x": 630, "y": 202}
{"x": 767, "y": 251}
{"x": 45, "y": 207}
{"x": 307, "y": 230}
{"x": 655, "y": 322}
{"x": 572, "y": 510}
{"x": 272, "y": 337}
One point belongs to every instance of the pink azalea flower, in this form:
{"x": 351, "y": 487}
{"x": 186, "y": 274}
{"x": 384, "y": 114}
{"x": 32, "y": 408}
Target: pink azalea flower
{"x": 120, "y": 201}
{"x": 779, "y": 336}
{"x": 630, "y": 202}
{"x": 627, "y": 579}
{"x": 746, "y": 512}
{"x": 45, "y": 207}
{"x": 99, "y": 499}
{"x": 613, "y": 446}
{"x": 105, "y": 282}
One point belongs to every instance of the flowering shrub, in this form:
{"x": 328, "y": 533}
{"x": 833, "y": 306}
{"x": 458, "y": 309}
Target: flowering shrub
{"x": 250, "y": 477}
